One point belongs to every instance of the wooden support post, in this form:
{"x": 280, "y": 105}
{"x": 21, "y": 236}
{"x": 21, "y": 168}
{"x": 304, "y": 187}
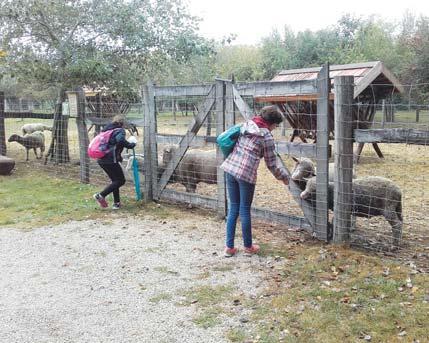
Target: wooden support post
{"x": 343, "y": 196}
{"x": 417, "y": 115}
{"x": 383, "y": 113}
{"x": 229, "y": 118}
{"x": 3, "y": 149}
{"x": 377, "y": 150}
{"x": 322, "y": 145}
{"x": 82, "y": 133}
{"x": 220, "y": 127}
{"x": 150, "y": 149}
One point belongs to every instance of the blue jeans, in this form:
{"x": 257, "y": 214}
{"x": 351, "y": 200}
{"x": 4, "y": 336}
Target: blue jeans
{"x": 240, "y": 195}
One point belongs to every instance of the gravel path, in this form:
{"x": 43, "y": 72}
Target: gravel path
{"x": 122, "y": 281}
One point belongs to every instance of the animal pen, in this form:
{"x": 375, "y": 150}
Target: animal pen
{"x": 340, "y": 120}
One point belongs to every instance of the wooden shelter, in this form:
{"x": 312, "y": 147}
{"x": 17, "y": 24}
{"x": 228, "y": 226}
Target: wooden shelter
{"x": 373, "y": 82}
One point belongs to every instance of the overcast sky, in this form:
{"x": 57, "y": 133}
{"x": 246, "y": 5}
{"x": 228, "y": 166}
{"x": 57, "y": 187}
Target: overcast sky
{"x": 251, "y": 19}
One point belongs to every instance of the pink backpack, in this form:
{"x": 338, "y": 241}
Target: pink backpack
{"x": 99, "y": 146}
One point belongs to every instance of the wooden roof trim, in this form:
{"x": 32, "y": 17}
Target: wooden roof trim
{"x": 331, "y": 68}
{"x": 378, "y": 69}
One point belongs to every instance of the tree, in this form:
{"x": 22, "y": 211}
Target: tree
{"x": 64, "y": 44}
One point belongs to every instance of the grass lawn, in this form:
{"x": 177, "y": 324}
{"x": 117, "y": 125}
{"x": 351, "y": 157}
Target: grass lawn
{"x": 31, "y": 198}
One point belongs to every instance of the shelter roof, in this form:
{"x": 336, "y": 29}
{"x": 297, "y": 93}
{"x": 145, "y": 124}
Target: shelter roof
{"x": 365, "y": 75}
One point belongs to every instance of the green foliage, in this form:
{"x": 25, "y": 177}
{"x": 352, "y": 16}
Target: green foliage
{"x": 95, "y": 42}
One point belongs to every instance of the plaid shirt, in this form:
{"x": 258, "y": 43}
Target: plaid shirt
{"x": 243, "y": 162}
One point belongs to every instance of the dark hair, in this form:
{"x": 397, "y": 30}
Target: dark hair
{"x": 272, "y": 114}
{"x": 118, "y": 119}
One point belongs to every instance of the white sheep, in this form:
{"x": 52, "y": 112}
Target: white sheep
{"x": 33, "y": 127}
{"x": 31, "y": 141}
{"x": 304, "y": 169}
{"x": 372, "y": 196}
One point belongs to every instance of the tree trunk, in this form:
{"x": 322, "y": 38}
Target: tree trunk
{"x": 59, "y": 149}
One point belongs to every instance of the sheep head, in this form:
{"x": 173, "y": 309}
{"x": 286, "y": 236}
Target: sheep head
{"x": 14, "y": 138}
{"x": 303, "y": 169}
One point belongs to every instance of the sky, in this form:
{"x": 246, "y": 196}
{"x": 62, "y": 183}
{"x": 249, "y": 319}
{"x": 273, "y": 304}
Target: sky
{"x": 251, "y": 19}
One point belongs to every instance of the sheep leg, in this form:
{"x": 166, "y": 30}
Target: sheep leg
{"x": 27, "y": 154}
{"x": 396, "y": 224}
{"x": 35, "y": 153}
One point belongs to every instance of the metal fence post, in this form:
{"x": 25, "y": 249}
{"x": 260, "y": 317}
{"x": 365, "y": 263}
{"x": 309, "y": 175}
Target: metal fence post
{"x": 343, "y": 197}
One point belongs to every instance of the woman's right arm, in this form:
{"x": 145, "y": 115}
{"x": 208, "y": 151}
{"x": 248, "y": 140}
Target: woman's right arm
{"x": 270, "y": 157}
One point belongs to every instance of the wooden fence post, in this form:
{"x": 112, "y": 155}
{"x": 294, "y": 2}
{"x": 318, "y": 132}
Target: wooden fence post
{"x": 343, "y": 196}
{"x": 322, "y": 146}
{"x": 220, "y": 127}
{"x": 383, "y": 113}
{"x": 2, "y": 127}
{"x": 82, "y": 134}
{"x": 149, "y": 142}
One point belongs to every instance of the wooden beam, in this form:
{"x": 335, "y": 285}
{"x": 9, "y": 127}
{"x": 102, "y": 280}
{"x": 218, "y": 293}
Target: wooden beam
{"x": 299, "y": 149}
{"x": 182, "y": 91}
{"x": 282, "y": 218}
{"x": 29, "y": 115}
{"x": 290, "y": 98}
{"x": 269, "y": 88}
{"x": 193, "y": 128}
{"x": 242, "y": 107}
{"x": 406, "y": 136}
{"x": 198, "y": 141}
{"x": 189, "y": 198}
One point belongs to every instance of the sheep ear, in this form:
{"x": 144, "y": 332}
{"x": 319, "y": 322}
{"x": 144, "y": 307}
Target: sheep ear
{"x": 295, "y": 159}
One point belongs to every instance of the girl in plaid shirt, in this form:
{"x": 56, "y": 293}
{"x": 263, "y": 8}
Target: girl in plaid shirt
{"x": 255, "y": 142}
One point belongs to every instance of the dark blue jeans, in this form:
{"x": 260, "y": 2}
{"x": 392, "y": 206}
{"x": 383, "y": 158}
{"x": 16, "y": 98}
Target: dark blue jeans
{"x": 240, "y": 195}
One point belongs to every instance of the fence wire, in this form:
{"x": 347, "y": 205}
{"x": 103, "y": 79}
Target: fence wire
{"x": 385, "y": 160}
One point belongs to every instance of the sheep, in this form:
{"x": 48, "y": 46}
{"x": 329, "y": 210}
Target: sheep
{"x": 33, "y": 127}
{"x": 372, "y": 196}
{"x": 304, "y": 168}
{"x": 195, "y": 167}
{"x": 31, "y": 141}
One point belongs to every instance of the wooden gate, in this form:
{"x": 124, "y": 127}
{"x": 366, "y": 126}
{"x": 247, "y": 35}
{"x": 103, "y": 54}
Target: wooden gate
{"x": 226, "y": 99}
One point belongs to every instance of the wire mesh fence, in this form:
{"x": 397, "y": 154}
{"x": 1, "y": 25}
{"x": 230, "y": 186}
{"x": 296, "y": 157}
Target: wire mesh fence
{"x": 384, "y": 177}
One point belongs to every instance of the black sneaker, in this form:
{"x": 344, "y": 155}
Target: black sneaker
{"x": 116, "y": 206}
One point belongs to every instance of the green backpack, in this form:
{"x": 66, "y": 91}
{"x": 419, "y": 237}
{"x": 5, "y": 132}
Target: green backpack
{"x": 227, "y": 139}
